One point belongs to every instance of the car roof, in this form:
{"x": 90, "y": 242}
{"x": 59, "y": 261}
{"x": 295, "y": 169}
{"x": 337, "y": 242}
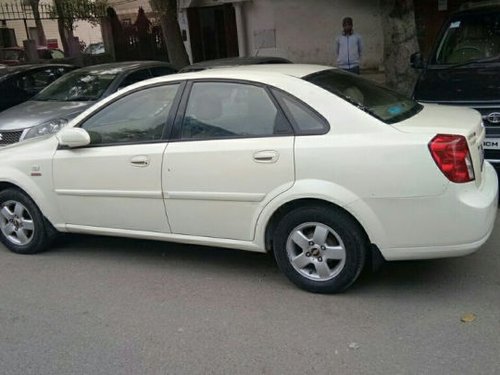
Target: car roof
{"x": 11, "y": 49}
{"x": 268, "y": 74}
{"x": 479, "y": 7}
{"x": 17, "y": 48}
{"x": 294, "y": 70}
{"x": 235, "y": 61}
{"x": 9, "y": 70}
{"x": 125, "y": 66}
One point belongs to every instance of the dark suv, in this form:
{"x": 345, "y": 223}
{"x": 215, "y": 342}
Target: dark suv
{"x": 464, "y": 68}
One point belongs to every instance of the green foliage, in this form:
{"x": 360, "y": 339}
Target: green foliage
{"x": 74, "y": 10}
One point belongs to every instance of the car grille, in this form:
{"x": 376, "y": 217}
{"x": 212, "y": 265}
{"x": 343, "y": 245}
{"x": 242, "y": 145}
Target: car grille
{"x": 9, "y": 137}
{"x": 491, "y": 119}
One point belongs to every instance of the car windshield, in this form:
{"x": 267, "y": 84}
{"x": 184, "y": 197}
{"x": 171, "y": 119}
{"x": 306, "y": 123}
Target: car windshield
{"x": 380, "y": 102}
{"x": 85, "y": 85}
{"x": 469, "y": 38}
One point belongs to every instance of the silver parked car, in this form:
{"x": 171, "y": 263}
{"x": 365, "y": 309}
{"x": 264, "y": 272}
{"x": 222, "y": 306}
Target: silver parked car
{"x": 70, "y": 95}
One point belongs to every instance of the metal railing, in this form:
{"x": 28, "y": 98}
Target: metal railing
{"x": 77, "y": 9}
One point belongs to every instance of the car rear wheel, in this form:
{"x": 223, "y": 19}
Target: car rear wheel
{"x": 320, "y": 249}
{"x": 23, "y": 228}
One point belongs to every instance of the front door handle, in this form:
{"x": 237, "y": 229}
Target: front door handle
{"x": 139, "y": 161}
{"x": 266, "y": 156}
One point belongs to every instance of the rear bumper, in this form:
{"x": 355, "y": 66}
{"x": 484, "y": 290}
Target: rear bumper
{"x": 453, "y": 224}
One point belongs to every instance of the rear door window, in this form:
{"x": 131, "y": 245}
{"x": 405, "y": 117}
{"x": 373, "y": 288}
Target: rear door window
{"x": 231, "y": 110}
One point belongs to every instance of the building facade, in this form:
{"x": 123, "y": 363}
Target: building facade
{"x": 17, "y": 25}
{"x": 302, "y": 31}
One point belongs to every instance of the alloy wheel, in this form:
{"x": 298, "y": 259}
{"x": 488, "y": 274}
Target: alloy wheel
{"x": 316, "y": 251}
{"x": 16, "y": 223}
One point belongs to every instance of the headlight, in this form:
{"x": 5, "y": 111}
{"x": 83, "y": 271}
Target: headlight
{"x": 49, "y": 127}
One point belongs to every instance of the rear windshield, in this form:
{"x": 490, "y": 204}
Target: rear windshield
{"x": 380, "y": 102}
{"x": 470, "y": 37}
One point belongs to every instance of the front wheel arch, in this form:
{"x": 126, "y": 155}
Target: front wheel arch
{"x": 51, "y": 231}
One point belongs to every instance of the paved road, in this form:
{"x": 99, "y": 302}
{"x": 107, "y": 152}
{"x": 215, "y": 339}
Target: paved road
{"x": 111, "y": 306}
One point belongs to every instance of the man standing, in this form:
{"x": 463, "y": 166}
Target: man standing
{"x": 349, "y": 48}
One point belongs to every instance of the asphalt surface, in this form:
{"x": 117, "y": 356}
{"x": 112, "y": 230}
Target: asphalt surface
{"x": 96, "y": 305}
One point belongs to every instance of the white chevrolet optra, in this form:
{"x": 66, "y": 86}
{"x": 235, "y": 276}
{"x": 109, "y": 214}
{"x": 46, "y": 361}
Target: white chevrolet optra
{"x": 319, "y": 166}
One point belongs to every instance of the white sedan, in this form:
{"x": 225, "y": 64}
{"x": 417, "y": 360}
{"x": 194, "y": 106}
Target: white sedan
{"x": 321, "y": 167}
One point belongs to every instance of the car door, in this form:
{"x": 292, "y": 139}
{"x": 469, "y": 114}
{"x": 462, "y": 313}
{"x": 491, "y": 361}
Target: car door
{"x": 115, "y": 182}
{"x": 232, "y": 153}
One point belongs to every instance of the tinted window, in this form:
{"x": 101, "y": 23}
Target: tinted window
{"x": 304, "y": 118}
{"x": 134, "y": 77}
{"x": 137, "y": 117}
{"x": 220, "y": 110}
{"x": 34, "y": 81}
{"x": 44, "y": 77}
{"x": 378, "y": 101}
{"x": 161, "y": 71}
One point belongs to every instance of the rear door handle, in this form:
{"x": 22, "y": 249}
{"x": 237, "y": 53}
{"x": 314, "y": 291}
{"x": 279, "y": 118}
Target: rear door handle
{"x": 139, "y": 161}
{"x": 266, "y": 156}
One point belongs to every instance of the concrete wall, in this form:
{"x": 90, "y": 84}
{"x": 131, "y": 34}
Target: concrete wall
{"x": 304, "y": 31}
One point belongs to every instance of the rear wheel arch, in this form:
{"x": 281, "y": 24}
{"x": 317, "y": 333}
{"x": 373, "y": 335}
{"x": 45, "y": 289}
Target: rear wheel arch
{"x": 290, "y": 206}
{"x": 319, "y": 246}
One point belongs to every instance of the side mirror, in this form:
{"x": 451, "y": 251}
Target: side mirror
{"x": 417, "y": 61}
{"x": 73, "y": 137}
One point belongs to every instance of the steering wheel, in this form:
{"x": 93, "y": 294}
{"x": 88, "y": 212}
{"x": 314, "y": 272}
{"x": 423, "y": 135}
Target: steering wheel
{"x": 467, "y": 48}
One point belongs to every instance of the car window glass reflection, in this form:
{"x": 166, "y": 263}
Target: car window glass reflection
{"x": 222, "y": 110}
{"x": 137, "y": 117}
{"x": 78, "y": 86}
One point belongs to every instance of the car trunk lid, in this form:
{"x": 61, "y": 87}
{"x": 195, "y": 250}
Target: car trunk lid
{"x": 438, "y": 119}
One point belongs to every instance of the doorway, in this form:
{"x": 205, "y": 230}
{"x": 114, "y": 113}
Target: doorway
{"x": 213, "y": 32}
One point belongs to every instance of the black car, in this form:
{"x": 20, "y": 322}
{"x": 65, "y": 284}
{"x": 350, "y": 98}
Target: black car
{"x": 464, "y": 69}
{"x": 20, "y": 83}
{"x": 234, "y": 61}
{"x": 70, "y": 95}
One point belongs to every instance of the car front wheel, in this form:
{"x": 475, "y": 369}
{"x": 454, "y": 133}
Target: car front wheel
{"x": 320, "y": 249}
{"x": 22, "y": 225}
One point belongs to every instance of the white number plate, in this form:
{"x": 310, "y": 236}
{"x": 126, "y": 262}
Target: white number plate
{"x": 491, "y": 144}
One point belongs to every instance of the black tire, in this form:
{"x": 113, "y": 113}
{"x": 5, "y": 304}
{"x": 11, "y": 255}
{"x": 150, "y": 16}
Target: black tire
{"x": 340, "y": 225}
{"x": 37, "y": 239}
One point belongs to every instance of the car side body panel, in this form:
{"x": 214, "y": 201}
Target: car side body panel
{"x": 33, "y": 174}
{"x": 383, "y": 176}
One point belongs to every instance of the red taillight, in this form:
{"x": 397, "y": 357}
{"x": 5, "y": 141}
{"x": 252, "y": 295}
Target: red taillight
{"x": 452, "y": 156}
